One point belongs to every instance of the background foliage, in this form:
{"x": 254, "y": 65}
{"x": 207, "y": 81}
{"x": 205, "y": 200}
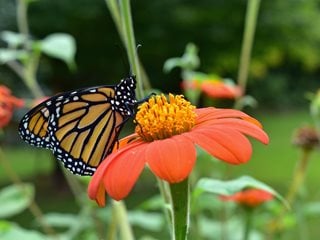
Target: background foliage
{"x": 285, "y": 56}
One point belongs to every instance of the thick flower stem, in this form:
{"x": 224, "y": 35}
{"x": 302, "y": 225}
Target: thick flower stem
{"x": 166, "y": 196}
{"x": 130, "y": 42}
{"x": 298, "y": 176}
{"x": 247, "y": 42}
{"x": 248, "y": 222}
{"x": 122, "y": 220}
{"x": 250, "y": 26}
{"x": 180, "y": 209}
{"x": 27, "y": 71}
{"x": 22, "y": 17}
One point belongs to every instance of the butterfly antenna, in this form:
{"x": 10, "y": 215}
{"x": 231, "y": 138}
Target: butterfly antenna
{"x": 137, "y": 47}
{"x": 125, "y": 62}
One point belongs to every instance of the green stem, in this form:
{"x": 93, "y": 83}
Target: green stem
{"x": 115, "y": 14}
{"x": 130, "y": 42}
{"x": 166, "y": 196}
{"x": 248, "y": 223}
{"x": 276, "y": 225}
{"x": 180, "y": 209}
{"x": 22, "y": 19}
{"x": 27, "y": 70}
{"x": 250, "y": 26}
{"x": 112, "y": 227}
{"x": 298, "y": 175}
{"x": 121, "y": 215}
{"x": 113, "y": 6}
{"x": 29, "y": 75}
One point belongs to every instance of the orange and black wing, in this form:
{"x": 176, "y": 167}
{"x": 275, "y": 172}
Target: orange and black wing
{"x": 82, "y": 126}
{"x": 79, "y": 127}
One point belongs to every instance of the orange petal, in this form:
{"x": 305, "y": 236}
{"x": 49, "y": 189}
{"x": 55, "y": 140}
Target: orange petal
{"x": 236, "y": 124}
{"x": 225, "y": 144}
{"x": 213, "y": 117}
{"x": 171, "y": 159}
{"x": 101, "y": 195}
{"x": 210, "y": 113}
{"x": 124, "y": 170}
{"x": 95, "y": 187}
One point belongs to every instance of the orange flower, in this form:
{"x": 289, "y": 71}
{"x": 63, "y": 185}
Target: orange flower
{"x": 165, "y": 139}
{"x": 249, "y": 197}
{"x": 193, "y": 84}
{"x": 7, "y": 105}
{"x": 219, "y": 89}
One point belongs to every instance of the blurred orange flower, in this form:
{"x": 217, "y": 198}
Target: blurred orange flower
{"x": 220, "y": 89}
{"x": 164, "y": 140}
{"x": 7, "y": 104}
{"x": 190, "y": 84}
{"x": 249, "y": 197}
{"x": 39, "y": 100}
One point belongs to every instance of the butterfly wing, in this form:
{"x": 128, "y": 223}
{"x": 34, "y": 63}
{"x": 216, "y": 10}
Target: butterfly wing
{"x": 34, "y": 127}
{"x": 80, "y": 127}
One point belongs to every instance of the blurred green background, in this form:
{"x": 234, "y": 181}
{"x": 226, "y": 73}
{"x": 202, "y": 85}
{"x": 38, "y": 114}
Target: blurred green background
{"x": 284, "y": 67}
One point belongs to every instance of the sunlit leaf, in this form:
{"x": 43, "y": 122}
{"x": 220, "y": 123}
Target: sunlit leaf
{"x": 172, "y": 63}
{"x": 7, "y": 55}
{"x": 231, "y": 187}
{"x": 61, "y": 46}
{"x": 189, "y": 60}
{"x": 13, "y": 39}
{"x": 15, "y": 198}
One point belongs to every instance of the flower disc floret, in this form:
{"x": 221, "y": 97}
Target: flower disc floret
{"x": 160, "y": 118}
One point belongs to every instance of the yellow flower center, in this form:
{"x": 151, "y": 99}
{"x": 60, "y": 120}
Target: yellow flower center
{"x": 159, "y": 118}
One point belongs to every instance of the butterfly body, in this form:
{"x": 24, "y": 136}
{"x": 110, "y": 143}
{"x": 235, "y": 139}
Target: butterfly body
{"x": 81, "y": 127}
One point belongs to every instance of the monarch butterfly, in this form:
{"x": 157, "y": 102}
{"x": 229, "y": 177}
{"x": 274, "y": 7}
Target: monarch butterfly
{"x": 81, "y": 127}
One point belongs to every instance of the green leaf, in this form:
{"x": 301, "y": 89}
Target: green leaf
{"x": 13, "y": 39}
{"x": 7, "y": 55}
{"x": 11, "y": 231}
{"x": 247, "y": 101}
{"x": 15, "y": 198}
{"x": 148, "y": 221}
{"x": 154, "y": 203}
{"x": 61, "y": 46}
{"x": 189, "y": 60}
{"x": 312, "y": 209}
{"x": 171, "y": 64}
{"x": 61, "y": 219}
{"x": 233, "y": 186}
{"x": 231, "y": 229}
